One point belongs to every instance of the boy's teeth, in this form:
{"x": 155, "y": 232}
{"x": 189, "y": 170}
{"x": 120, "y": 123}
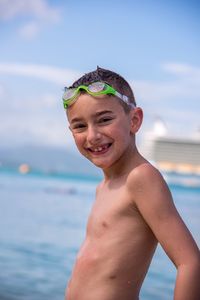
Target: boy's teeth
{"x": 98, "y": 149}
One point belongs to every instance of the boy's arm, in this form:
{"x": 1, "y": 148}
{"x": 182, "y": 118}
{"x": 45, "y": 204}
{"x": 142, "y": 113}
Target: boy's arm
{"x": 155, "y": 204}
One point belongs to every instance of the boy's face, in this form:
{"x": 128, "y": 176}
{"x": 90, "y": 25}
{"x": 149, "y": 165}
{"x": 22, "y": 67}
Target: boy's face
{"x": 102, "y": 131}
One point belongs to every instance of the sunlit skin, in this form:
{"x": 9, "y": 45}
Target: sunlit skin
{"x": 132, "y": 212}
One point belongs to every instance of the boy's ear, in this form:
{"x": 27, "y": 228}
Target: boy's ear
{"x": 136, "y": 119}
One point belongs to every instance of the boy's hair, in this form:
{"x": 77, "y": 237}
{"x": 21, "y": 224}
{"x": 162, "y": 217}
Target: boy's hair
{"x": 113, "y": 79}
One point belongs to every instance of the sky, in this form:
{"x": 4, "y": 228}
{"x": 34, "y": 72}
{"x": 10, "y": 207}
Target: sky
{"x": 46, "y": 44}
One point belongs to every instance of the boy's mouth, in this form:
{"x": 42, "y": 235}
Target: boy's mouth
{"x": 99, "y": 149}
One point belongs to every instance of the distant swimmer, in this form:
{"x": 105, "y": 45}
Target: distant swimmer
{"x": 70, "y": 190}
{"x": 24, "y": 168}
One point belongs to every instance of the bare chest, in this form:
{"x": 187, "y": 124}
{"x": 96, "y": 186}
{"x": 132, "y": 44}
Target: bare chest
{"x": 112, "y": 211}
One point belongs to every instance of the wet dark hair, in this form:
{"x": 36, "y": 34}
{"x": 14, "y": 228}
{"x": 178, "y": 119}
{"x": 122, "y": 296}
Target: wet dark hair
{"x": 113, "y": 79}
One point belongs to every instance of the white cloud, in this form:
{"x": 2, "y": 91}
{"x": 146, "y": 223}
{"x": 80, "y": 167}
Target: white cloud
{"x": 29, "y": 30}
{"x": 39, "y": 9}
{"x": 175, "y": 100}
{"x": 38, "y": 12}
{"x": 42, "y": 118}
{"x": 35, "y": 128}
{"x": 182, "y": 70}
{"x": 157, "y": 91}
{"x": 45, "y": 72}
{"x": 36, "y": 118}
{"x": 185, "y": 85}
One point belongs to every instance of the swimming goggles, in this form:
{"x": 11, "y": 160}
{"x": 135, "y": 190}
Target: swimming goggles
{"x": 94, "y": 89}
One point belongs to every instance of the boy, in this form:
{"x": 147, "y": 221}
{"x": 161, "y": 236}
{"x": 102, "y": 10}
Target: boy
{"x": 133, "y": 210}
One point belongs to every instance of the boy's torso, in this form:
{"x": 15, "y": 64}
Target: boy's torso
{"x": 117, "y": 251}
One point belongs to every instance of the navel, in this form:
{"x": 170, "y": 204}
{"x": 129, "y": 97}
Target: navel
{"x": 104, "y": 224}
{"x": 112, "y": 277}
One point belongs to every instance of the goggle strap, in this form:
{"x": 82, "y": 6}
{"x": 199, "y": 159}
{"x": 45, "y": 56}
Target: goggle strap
{"x": 124, "y": 99}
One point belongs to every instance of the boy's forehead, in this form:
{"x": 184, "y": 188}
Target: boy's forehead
{"x": 77, "y": 117}
{"x": 94, "y": 105}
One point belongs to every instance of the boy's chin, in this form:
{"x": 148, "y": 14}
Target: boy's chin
{"x": 100, "y": 164}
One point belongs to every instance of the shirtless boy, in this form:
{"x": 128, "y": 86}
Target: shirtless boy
{"x": 133, "y": 210}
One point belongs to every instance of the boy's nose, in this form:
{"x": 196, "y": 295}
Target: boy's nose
{"x": 93, "y": 134}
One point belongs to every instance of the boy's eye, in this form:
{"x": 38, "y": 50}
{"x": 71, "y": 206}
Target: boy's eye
{"x": 105, "y": 120}
{"x": 78, "y": 126}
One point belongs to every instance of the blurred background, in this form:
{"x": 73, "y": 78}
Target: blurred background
{"x": 46, "y": 188}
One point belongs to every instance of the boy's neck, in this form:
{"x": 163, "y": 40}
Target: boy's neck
{"x": 124, "y": 165}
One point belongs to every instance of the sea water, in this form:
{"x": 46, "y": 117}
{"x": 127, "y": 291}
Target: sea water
{"x": 42, "y": 224}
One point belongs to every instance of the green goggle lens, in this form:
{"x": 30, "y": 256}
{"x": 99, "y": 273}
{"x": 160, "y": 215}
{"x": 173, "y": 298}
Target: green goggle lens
{"x": 97, "y": 87}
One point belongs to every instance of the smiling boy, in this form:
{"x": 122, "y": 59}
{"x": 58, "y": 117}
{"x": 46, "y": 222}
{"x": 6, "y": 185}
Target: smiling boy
{"x": 133, "y": 210}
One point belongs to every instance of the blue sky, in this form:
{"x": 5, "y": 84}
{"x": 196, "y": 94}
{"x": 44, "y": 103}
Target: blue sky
{"x": 45, "y": 45}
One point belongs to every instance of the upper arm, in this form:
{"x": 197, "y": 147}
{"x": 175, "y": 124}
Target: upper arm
{"x": 155, "y": 204}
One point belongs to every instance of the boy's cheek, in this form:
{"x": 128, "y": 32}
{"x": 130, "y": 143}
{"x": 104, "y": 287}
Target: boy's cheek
{"x": 76, "y": 137}
{"x": 77, "y": 141}
{"x": 79, "y": 144}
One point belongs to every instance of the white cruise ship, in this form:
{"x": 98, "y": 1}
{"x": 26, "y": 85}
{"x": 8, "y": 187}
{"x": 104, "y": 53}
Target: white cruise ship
{"x": 170, "y": 153}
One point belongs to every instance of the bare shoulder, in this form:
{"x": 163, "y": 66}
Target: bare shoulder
{"x": 149, "y": 192}
{"x": 145, "y": 176}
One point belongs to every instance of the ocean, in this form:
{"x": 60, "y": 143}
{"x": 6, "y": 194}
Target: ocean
{"x": 42, "y": 224}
